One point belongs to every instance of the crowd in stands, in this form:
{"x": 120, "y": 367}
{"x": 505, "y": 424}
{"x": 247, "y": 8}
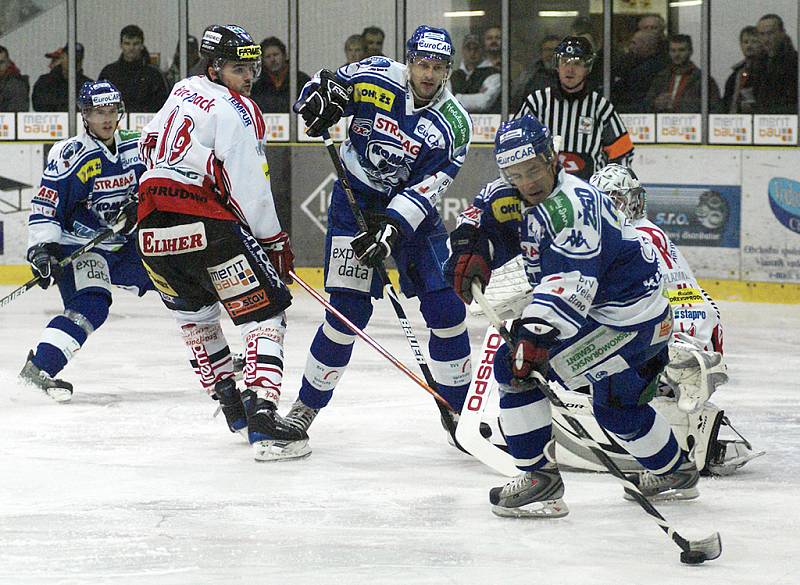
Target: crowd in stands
{"x": 652, "y": 72}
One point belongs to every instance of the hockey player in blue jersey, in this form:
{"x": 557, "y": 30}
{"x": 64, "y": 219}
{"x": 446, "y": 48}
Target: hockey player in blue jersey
{"x": 407, "y": 140}
{"x": 598, "y": 317}
{"x": 86, "y": 184}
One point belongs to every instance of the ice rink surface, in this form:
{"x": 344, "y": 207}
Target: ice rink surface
{"x": 135, "y": 482}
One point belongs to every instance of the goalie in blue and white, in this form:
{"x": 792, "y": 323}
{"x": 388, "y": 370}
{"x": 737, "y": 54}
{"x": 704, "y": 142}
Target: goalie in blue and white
{"x": 597, "y": 317}
{"x": 88, "y": 185}
{"x": 407, "y": 140}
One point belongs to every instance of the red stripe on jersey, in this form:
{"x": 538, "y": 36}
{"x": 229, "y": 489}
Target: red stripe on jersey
{"x": 162, "y": 194}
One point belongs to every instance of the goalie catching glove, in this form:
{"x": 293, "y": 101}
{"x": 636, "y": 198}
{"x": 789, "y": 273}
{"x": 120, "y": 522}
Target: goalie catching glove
{"x": 280, "y": 253}
{"x": 469, "y": 259}
{"x": 534, "y": 338}
{"x": 374, "y": 246}
{"x": 325, "y": 104}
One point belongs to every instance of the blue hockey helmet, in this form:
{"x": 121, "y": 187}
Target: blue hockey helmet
{"x": 94, "y": 94}
{"x": 522, "y": 139}
{"x": 574, "y": 48}
{"x": 431, "y": 43}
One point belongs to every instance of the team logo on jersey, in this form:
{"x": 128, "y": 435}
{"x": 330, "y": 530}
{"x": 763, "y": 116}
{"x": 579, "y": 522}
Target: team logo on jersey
{"x": 361, "y": 126}
{"x": 385, "y": 156}
{"x": 233, "y": 278}
{"x": 685, "y": 296}
{"x": 90, "y": 169}
{"x": 46, "y": 195}
{"x": 179, "y": 239}
{"x": 585, "y": 124}
{"x": 241, "y": 110}
{"x": 389, "y": 127}
{"x": 373, "y": 94}
{"x": 571, "y": 162}
{"x": 70, "y": 150}
{"x": 114, "y": 182}
{"x": 247, "y": 303}
{"x": 192, "y": 97}
{"x": 506, "y": 209}
{"x": 375, "y": 63}
{"x": 45, "y": 210}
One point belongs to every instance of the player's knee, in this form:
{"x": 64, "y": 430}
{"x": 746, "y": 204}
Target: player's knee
{"x": 622, "y": 421}
{"x": 356, "y": 307}
{"x": 443, "y": 310}
{"x": 89, "y": 310}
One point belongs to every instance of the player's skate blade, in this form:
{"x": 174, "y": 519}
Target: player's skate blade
{"x": 273, "y": 450}
{"x": 57, "y": 389}
{"x": 681, "y": 484}
{"x": 532, "y": 494}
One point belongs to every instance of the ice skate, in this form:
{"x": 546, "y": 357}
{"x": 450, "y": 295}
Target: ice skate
{"x": 301, "y": 416}
{"x": 230, "y": 403}
{"x": 272, "y": 438}
{"x": 681, "y": 484}
{"x": 532, "y": 494}
{"x": 58, "y": 390}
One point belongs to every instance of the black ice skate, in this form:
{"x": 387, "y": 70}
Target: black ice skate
{"x": 301, "y": 416}
{"x": 681, "y": 484}
{"x": 58, "y": 390}
{"x": 272, "y": 438}
{"x": 532, "y": 494}
{"x": 230, "y": 402}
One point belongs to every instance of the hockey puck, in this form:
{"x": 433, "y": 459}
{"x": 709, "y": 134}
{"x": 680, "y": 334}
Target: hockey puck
{"x": 693, "y": 557}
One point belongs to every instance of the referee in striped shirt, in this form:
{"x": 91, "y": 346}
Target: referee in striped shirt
{"x": 591, "y": 131}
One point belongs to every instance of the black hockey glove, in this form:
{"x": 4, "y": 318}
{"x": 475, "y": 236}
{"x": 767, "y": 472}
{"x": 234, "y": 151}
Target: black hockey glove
{"x": 373, "y": 246}
{"x": 530, "y": 352}
{"x": 44, "y": 263}
{"x": 129, "y": 213}
{"x": 470, "y": 255}
{"x": 323, "y": 107}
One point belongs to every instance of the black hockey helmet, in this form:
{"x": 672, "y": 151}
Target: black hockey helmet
{"x": 574, "y": 48}
{"x": 229, "y": 42}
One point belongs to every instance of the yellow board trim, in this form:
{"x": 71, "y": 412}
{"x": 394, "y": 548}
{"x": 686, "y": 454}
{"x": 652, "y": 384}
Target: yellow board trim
{"x": 720, "y": 290}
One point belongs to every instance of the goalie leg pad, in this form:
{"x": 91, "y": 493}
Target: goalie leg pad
{"x": 332, "y": 347}
{"x": 209, "y": 354}
{"x": 526, "y": 421}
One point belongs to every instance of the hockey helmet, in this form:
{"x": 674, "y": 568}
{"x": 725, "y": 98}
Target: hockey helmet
{"x": 578, "y": 48}
{"x": 431, "y": 43}
{"x": 229, "y": 42}
{"x": 623, "y": 186}
{"x": 522, "y": 139}
{"x": 94, "y": 94}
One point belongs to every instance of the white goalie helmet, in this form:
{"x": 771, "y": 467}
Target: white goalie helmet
{"x": 623, "y": 186}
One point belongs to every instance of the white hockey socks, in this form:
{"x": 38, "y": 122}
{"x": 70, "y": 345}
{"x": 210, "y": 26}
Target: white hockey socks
{"x": 263, "y": 357}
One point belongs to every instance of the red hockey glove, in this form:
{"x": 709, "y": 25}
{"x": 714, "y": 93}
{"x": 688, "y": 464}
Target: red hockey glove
{"x": 281, "y": 256}
{"x": 530, "y": 353}
{"x": 469, "y": 259}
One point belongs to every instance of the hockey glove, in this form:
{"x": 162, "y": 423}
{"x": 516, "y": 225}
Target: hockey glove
{"x": 129, "y": 213}
{"x": 44, "y": 263}
{"x": 281, "y": 256}
{"x": 373, "y": 246}
{"x": 325, "y": 104}
{"x": 530, "y": 353}
{"x": 469, "y": 259}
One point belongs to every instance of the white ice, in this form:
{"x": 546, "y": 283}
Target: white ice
{"x": 135, "y": 482}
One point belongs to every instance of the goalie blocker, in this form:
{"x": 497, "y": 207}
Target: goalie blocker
{"x": 697, "y": 432}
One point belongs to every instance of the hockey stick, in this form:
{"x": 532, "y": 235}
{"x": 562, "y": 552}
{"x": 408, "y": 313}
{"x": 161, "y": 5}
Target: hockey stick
{"x": 444, "y": 407}
{"x": 693, "y": 552}
{"x": 102, "y": 236}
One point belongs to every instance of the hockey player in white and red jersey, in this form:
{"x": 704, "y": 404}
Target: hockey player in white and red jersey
{"x": 209, "y": 234}
{"x": 696, "y": 366}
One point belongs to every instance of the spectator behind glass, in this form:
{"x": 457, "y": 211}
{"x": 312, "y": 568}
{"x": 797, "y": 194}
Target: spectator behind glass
{"x": 173, "y": 74}
{"x": 271, "y": 91}
{"x": 741, "y": 86}
{"x": 51, "y": 89}
{"x": 142, "y": 86}
{"x": 471, "y": 56}
{"x": 480, "y": 92}
{"x": 13, "y": 85}
{"x": 582, "y": 27}
{"x": 354, "y": 49}
{"x": 778, "y": 93}
{"x": 635, "y": 70}
{"x": 540, "y": 75}
{"x": 373, "y": 39}
{"x": 677, "y": 88}
{"x": 492, "y": 47}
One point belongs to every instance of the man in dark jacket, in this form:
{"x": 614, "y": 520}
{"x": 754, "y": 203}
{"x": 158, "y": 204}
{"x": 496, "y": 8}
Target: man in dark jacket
{"x": 635, "y": 70}
{"x": 13, "y": 85}
{"x": 779, "y": 90}
{"x": 271, "y": 91}
{"x": 51, "y": 90}
{"x": 742, "y": 86}
{"x": 142, "y": 86}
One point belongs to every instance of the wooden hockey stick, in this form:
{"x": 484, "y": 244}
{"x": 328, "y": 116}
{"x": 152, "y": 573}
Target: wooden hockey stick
{"x": 692, "y": 552}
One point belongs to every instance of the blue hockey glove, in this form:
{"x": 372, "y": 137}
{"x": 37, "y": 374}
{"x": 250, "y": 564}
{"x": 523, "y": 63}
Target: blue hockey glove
{"x": 469, "y": 259}
{"x": 534, "y": 338}
{"x": 325, "y": 104}
{"x": 44, "y": 263}
{"x": 375, "y": 245}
